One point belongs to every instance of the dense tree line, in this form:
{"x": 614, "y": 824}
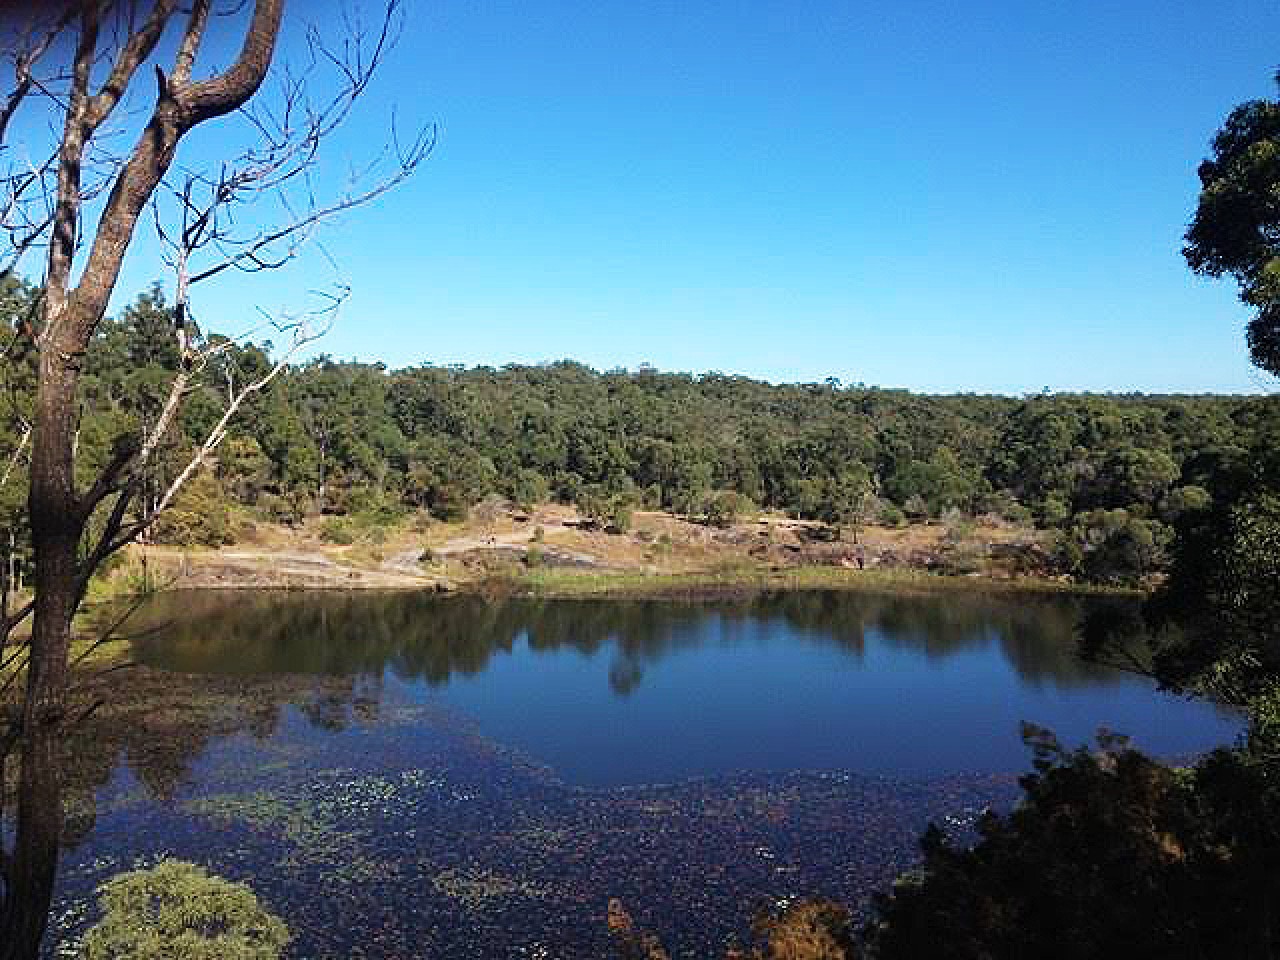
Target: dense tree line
{"x": 1112, "y": 474}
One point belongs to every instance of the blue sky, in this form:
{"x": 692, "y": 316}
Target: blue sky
{"x": 946, "y": 197}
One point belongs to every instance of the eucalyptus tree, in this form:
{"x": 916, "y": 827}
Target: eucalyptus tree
{"x": 82, "y": 172}
{"x": 1236, "y": 229}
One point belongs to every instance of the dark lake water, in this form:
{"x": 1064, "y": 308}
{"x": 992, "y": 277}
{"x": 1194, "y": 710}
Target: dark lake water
{"x": 609, "y": 692}
{"x": 422, "y": 776}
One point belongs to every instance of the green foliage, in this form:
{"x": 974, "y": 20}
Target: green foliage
{"x": 1211, "y": 627}
{"x": 1109, "y": 854}
{"x": 620, "y": 516}
{"x": 199, "y": 516}
{"x": 1215, "y": 620}
{"x": 848, "y": 498}
{"x": 1181, "y": 500}
{"x": 373, "y": 444}
{"x": 528, "y": 488}
{"x": 1113, "y": 547}
{"x": 725, "y": 507}
{"x": 1237, "y": 222}
{"x": 891, "y": 515}
{"x": 338, "y": 530}
{"x": 178, "y": 911}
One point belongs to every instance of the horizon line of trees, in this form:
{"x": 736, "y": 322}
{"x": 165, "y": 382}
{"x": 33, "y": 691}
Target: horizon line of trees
{"x": 1111, "y": 474}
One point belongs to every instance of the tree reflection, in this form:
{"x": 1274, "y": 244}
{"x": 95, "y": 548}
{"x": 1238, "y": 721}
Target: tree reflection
{"x": 33, "y": 798}
{"x": 224, "y": 664}
{"x": 155, "y": 723}
{"x": 433, "y": 638}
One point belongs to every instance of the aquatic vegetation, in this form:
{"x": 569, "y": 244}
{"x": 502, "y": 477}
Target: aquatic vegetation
{"x": 474, "y": 888}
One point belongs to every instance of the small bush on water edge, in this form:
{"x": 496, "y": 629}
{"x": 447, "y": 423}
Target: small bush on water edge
{"x": 179, "y": 911}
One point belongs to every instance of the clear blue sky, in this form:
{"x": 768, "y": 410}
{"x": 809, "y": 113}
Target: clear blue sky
{"x": 986, "y": 196}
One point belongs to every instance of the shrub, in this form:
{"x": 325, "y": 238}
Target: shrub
{"x": 891, "y": 516}
{"x": 652, "y": 497}
{"x": 529, "y": 488}
{"x": 958, "y": 526}
{"x": 722, "y": 509}
{"x": 619, "y": 517}
{"x": 1112, "y": 546}
{"x": 198, "y": 517}
{"x": 179, "y": 911}
{"x": 337, "y": 530}
{"x": 916, "y": 507}
{"x": 1182, "y": 500}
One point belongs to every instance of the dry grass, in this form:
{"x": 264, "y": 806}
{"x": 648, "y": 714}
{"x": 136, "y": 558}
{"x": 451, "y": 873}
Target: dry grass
{"x": 660, "y": 552}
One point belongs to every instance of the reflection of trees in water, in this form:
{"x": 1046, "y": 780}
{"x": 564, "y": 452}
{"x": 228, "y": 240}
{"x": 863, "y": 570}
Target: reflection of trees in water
{"x": 1036, "y": 633}
{"x": 325, "y": 656}
{"x": 433, "y": 638}
{"x": 155, "y": 723}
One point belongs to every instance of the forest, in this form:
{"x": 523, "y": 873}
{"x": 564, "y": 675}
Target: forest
{"x": 113, "y": 397}
{"x": 1109, "y": 475}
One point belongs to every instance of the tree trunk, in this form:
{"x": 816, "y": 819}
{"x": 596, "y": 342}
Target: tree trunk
{"x": 56, "y": 527}
{"x": 28, "y": 881}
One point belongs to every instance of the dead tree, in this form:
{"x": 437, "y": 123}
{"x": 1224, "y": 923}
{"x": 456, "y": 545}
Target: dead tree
{"x": 78, "y": 204}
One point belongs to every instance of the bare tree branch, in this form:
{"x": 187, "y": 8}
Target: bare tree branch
{"x": 27, "y": 54}
{"x": 133, "y": 54}
{"x": 17, "y": 454}
{"x": 116, "y": 533}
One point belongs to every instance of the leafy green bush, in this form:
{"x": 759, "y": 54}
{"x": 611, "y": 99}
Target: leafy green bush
{"x": 1112, "y": 546}
{"x": 198, "y": 517}
{"x": 1109, "y": 854}
{"x": 619, "y": 516}
{"x": 724, "y": 507}
{"x": 337, "y": 530}
{"x": 529, "y": 488}
{"x": 891, "y": 516}
{"x": 179, "y": 911}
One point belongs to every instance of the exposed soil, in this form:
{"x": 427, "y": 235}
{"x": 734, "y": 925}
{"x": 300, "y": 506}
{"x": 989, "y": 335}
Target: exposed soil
{"x": 430, "y": 555}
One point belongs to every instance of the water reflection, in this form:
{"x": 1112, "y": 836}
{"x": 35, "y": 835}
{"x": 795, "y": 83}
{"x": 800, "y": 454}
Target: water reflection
{"x": 434, "y": 638}
{"x": 606, "y": 692}
{"x": 156, "y": 725}
{"x": 612, "y": 691}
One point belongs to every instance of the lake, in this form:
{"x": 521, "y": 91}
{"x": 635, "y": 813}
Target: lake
{"x": 413, "y": 774}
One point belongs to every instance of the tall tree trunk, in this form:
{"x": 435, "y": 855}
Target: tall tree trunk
{"x": 56, "y": 527}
